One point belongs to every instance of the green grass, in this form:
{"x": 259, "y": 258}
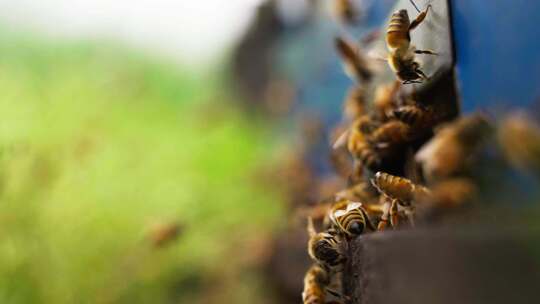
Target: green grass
{"x": 96, "y": 144}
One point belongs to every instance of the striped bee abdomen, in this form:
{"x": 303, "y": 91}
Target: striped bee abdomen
{"x": 397, "y": 187}
{"x": 397, "y": 33}
{"x": 352, "y": 220}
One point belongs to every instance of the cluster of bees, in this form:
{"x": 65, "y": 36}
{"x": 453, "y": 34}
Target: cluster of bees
{"x": 409, "y": 153}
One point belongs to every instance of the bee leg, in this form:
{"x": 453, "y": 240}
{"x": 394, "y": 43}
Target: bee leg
{"x": 383, "y": 222}
{"x": 370, "y": 224}
{"x": 394, "y": 217}
{"x": 426, "y": 52}
{"x": 409, "y": 114}
{"x": 421, "y": 74}
{"x": 338, "y": 294}
{"x": 411, "y": 81}
{"x": 419, "y": 19}
{"x": 367, "y": 125}
{"x": 410, "y": 216}
{"x": 414, "y": 4}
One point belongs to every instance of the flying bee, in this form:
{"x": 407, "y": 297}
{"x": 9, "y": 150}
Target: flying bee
{"x": 350, "y": 218}
{"x": 446, "y": 196}
{"x": 324, "y": 247}
{"x": 354, "y": 63}
{"x": 450, "y": 193}
{"x": 315, "y": 282}
{"x": 162, "y": 234}
{"x": 519, "y": 137}
{"x": 402, "y": 54}
{"x": 345, "y": 11}
{"x": 370, "y": 37}
{"x": 453, "y": 147}
{"x": 355, "y": 103}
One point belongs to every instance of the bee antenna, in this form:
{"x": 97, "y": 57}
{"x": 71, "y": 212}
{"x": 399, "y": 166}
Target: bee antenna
{"x": 414, "y": 4}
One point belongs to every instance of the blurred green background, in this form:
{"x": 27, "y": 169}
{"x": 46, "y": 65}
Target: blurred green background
{"x": 98, "y": 144}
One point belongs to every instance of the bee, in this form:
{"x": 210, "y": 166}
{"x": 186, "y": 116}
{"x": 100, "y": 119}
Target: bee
{"x": 450, "y": 193}
{"x": 397, "y": 192}
{"x": 446, "y": 196}
{"x": 345, "y": 11}
{"x": 342, "y": 164}
{"x": 324, "y": 247}
{"x": 355, "y": 103}
{"x": 519, "y": 138}
{"x": 392, "y": 132}
{"x": 315, "y": 282}
{"x": 355, "y": 65}
{"x": 350, "y": 218}
{"x": 366, "y": 124}
{"x": 402, "y": 54}
{"x": 416, "y": 116}
{"x": 357, "y": 142}
{"x": 162, "y": 234}
{"x": 399, "y": 188}
{"x": 370, "y": 37}
{"x": 453, "y": 147}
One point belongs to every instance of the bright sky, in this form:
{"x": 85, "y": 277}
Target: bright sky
{"x": 191, "y": 30}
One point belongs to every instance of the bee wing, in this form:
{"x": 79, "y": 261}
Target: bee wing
{"x": 370, "y": 37}
{"x": 354, "y": 205}
{"x": 342, "y": 140}
{"x": 377, "y": 55}
{"x": 382, "y": 145}
{"x": 357, "y": 64}
{"x": 376, "y": 59}
{"x": 374, "y": 182}
{"x": 339, "y": 213}
{"x": 341, "y": 194}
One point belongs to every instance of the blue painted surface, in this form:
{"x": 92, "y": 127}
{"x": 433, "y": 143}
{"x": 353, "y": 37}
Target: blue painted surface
{"x": 497, "y": 53}
{"x": 308, "y": 58}
{"x": 498, "y": 69}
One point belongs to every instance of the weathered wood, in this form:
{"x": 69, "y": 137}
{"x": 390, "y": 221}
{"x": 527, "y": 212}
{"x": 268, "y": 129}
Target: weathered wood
{"x": 443, "y": 266}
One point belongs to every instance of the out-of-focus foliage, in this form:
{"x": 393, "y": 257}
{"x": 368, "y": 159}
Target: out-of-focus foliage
{"x": 96, "y": 145}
